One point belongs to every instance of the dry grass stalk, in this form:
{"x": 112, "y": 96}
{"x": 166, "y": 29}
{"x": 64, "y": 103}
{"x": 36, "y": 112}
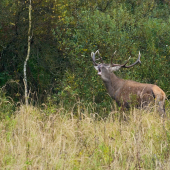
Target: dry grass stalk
{"x": 33, "y": 140}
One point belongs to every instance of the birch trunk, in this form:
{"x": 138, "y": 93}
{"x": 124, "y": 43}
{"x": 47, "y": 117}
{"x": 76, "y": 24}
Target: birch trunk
{"x": 27, "y": 58}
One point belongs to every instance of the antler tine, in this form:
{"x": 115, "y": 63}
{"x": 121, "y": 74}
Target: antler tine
{"x": 113, "y": 65}
{"x": 93, "y": 58}
{"x": 97, "y": 51}
{"x": 99, "y": 56}
{"x": 137, "y": 61}
{"x": 112, "y": 58}
{"x": 124, "y": 65}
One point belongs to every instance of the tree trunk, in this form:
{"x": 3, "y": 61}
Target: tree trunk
{"x": 27, "y": 58}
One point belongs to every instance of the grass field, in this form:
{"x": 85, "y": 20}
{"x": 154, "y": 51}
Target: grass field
{"x": 34, "y": 139}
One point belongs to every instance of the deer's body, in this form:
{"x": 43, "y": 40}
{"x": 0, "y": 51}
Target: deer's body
{"x": 128, "y": 93}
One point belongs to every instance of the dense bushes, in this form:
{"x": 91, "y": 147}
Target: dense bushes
{"x": 64, "y": 34}
{"x": 126, "y": 31}
{"x": 7, "y": 106}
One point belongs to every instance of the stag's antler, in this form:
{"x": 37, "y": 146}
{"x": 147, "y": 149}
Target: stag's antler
{"x": 93, "y": 57}
{"x": 137, "y": 61}
{"x": 124, "y": 65}
{"x": 114, "y": 65}
{"x": 100, "y": 57}
{"x": 112, "y": 58}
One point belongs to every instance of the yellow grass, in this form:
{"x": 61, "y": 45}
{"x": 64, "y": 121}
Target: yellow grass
{"x": 31, "y": 139}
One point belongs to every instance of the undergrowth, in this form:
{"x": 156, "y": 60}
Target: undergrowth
{"x": 34, "y": 138}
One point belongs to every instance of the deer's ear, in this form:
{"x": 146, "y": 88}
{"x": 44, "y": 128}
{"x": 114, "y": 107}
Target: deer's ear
{"x": 115, "y": 68}
{"x": 96, "y": 67}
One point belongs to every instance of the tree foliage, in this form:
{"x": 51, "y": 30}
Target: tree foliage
{"x": 64, "y": 33}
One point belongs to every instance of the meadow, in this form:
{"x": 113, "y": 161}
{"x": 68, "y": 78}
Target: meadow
{"x": 56, "y": 138}
{"x": 78, "y": 127}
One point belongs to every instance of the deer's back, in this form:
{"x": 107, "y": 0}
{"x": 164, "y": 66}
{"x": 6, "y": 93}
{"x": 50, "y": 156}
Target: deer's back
{"x": 139, "y": 93}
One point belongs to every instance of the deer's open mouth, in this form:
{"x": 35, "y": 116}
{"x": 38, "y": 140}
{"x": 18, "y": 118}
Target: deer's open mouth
{"x": 99, "y": 71}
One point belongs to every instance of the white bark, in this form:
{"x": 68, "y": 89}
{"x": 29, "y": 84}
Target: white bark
{"x": 27, "y": 58}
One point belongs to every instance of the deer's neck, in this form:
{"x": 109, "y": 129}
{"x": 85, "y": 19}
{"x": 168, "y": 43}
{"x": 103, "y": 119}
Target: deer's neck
{"x": 113, "y": 84}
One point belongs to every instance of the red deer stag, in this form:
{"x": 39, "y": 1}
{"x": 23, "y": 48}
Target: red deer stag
{"x": 127, "y": 92}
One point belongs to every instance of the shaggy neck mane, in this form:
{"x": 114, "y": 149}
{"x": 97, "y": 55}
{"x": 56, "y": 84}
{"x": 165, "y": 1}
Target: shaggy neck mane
{"x": 113, "y": 84}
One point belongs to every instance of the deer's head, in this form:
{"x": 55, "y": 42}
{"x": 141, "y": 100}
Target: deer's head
{"x": 104, "y": 70}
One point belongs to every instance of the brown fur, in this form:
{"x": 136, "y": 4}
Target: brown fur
{"x": 130, "y": 93}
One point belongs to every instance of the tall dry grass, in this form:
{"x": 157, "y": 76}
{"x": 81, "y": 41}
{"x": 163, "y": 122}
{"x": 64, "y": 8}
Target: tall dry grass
{"x": 31, "y": 139}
